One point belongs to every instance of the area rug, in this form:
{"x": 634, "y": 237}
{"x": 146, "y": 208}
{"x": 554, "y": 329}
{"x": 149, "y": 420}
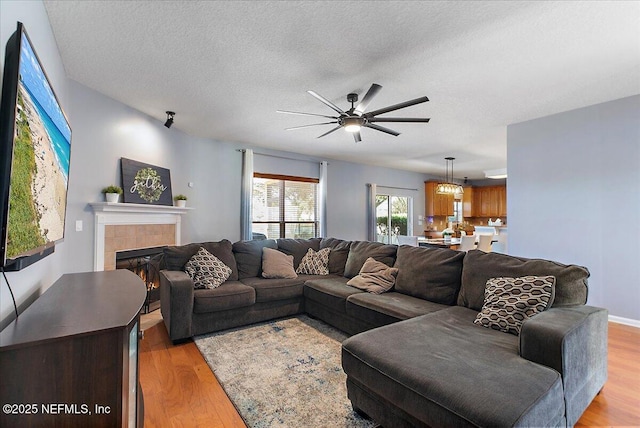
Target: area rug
{"x": 283, "y": 373}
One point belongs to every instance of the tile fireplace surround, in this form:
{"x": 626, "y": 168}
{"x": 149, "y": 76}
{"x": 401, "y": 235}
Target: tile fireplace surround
{"x": 120, "y": 226}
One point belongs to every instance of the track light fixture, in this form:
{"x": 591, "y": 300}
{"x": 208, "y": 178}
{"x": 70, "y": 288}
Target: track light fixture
{"x": 169, "y": 121}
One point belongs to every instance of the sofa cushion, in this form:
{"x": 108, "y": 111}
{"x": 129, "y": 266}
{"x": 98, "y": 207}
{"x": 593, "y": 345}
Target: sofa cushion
{"x": 248, "y": 256}
{"x": 383, "y": 309}
{"x": 268, "y": 290}
{"x": 478, "y": 267}
{"x": 360, "y": 251}
{"x": 508, "y": 302}
{"x": 206, "y": 270}
{"x": 332, "y": 292}
{"x": 429, "y": 273}
{"x": 315, "y": 263}
{"x": 374, "y": 277}
{"x": 338, "y": 255}
{"x": 175, "y": 257}
{"x": 230, "y": 295}
{"x": 298, "y": 248}
{"x": 276, "y": 264}
{"x": 446, "y": 371}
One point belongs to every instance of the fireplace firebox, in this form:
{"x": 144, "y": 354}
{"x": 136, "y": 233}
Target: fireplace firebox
{"x": 144, "y": 262}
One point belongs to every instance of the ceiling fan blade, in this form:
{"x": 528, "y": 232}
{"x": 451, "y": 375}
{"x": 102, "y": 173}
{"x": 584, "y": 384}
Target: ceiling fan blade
{"x": 397, "y": 106}
{"x": 399, "y": 119}
{"x": 373, "y": 90}
{"x": 356, "y": 136}
{"x": 306, "y": 114}
{"x": 382, "y": 129}
{"x": 329, "y": 132}
{"x": 306, "y": 126}
{"x": 327, "y": 102}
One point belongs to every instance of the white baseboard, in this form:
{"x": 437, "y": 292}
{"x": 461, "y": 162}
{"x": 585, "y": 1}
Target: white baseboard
{"x": 625, "y": 321}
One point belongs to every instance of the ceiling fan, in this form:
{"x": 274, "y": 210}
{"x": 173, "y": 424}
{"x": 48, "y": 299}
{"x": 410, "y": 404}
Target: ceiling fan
{"x": 355, "y": 118}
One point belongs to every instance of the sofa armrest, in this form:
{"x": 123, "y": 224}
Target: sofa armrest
{"x": 572, "y": 341}
{"x": 176, "y": 303}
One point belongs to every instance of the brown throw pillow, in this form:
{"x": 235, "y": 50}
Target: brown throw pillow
{"x": 374, "y": 277}
{"x": 276, "y": 264}
{"x": 509, "y": 302}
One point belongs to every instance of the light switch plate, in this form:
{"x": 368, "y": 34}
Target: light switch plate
{"x": 78, "y": 225}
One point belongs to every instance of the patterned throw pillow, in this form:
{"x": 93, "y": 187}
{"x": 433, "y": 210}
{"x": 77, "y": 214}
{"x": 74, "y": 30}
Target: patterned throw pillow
{"x": 315, "y": 263}
{"x": 509, "y": 302}
{"x": 206, "y": 270}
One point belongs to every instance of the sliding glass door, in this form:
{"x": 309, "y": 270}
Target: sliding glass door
{"x": 393, "y": 217}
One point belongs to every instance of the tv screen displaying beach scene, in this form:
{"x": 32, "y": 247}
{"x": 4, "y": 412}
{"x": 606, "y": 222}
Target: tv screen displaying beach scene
{"x": 40, "y": 162}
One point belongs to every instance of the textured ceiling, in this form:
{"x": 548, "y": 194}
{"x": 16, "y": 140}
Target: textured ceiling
{"x": 226, "y": 67}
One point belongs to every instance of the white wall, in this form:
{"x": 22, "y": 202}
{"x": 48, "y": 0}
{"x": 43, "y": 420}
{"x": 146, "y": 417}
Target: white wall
{"x": 574, "y": 197}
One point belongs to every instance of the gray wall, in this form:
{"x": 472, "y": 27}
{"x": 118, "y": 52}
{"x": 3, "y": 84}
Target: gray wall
{"x": 104, "y": 130}
{"x": 28, "y": 284}
{"x": 574, "y": 196}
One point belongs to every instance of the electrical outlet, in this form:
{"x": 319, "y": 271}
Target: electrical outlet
{"x": 78, "y": 225}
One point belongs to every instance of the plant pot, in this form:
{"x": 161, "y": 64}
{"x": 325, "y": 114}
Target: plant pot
{"x": 111, "y": 197}
{"x": 181, "y": 203}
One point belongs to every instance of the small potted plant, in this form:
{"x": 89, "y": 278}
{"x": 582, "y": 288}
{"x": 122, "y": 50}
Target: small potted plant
{"x": 447, "y": 236}
{"x": 112, "y": 193}
{"x": 180, "y": 200}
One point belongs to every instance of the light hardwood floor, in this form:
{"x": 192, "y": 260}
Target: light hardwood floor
{"x": 181, "y": 391}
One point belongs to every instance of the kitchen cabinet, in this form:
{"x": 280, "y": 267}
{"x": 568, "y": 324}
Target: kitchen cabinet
{"x": 435, "y": 204}
{"x": 467, "y": 202}
{"x": 490, "y": 201}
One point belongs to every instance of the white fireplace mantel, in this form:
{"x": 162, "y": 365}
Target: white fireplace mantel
{"x": 114, "y": 213}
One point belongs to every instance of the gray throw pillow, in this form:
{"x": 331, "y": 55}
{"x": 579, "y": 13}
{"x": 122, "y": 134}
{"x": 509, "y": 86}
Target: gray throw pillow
{"x": 338, "y": 255}
{"x": 509, "y": 302}
{"x": 175, "y": 257}
{"x": 276, "y": 264}
{"x": 429, "y": 273}
{"x": 248, "y": 256}
{"x": 478, "y": 267}
{"x": 206, "y": 270}
{"x": 360, "y": 251}
{"x": 298, "y": 248}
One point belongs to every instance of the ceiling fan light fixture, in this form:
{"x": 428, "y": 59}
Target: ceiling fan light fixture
{"x": 352, "y": 124}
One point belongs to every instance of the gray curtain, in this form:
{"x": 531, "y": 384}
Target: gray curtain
{"x": 371, "y": 213}
{"x": 322, "y": 199}
{"x": 245, "y": 195}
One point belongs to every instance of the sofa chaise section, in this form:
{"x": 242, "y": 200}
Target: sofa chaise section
{"x": 443, "y": 370}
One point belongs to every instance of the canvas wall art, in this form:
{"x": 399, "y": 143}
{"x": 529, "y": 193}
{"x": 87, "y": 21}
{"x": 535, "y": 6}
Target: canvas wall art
{"x": 145, "y": 184}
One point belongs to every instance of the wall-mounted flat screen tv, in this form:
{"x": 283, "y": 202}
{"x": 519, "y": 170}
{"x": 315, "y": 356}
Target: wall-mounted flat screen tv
{"x": 35, "y": 149}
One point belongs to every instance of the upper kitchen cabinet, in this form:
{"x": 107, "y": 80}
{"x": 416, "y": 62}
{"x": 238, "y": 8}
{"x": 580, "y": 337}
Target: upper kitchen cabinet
{"x": 436, "y": 204}
{"x": 490, "y": 201}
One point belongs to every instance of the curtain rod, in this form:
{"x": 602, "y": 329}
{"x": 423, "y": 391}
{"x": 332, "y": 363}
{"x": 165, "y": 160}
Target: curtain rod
{"x": 283, "y": 157}
{"x": 398, "y": 188}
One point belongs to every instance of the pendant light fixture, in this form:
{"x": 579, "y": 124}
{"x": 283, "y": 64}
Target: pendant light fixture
{"x": 448, "y": 187}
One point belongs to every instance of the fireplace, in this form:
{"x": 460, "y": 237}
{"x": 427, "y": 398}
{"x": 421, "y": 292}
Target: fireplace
{"x": 121, "y": 227}
{"x": 144, "y": 262}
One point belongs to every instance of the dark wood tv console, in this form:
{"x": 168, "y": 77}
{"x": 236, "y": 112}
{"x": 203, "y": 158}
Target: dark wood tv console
{"x": 71, "y": 358}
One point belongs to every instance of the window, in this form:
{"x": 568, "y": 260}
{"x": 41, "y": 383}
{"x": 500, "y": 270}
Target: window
{"x": 388, "y": 227}
{"x": 285, "y": 206}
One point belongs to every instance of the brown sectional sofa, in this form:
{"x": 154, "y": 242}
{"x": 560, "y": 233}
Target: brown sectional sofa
{"x": 416, "y": 357}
